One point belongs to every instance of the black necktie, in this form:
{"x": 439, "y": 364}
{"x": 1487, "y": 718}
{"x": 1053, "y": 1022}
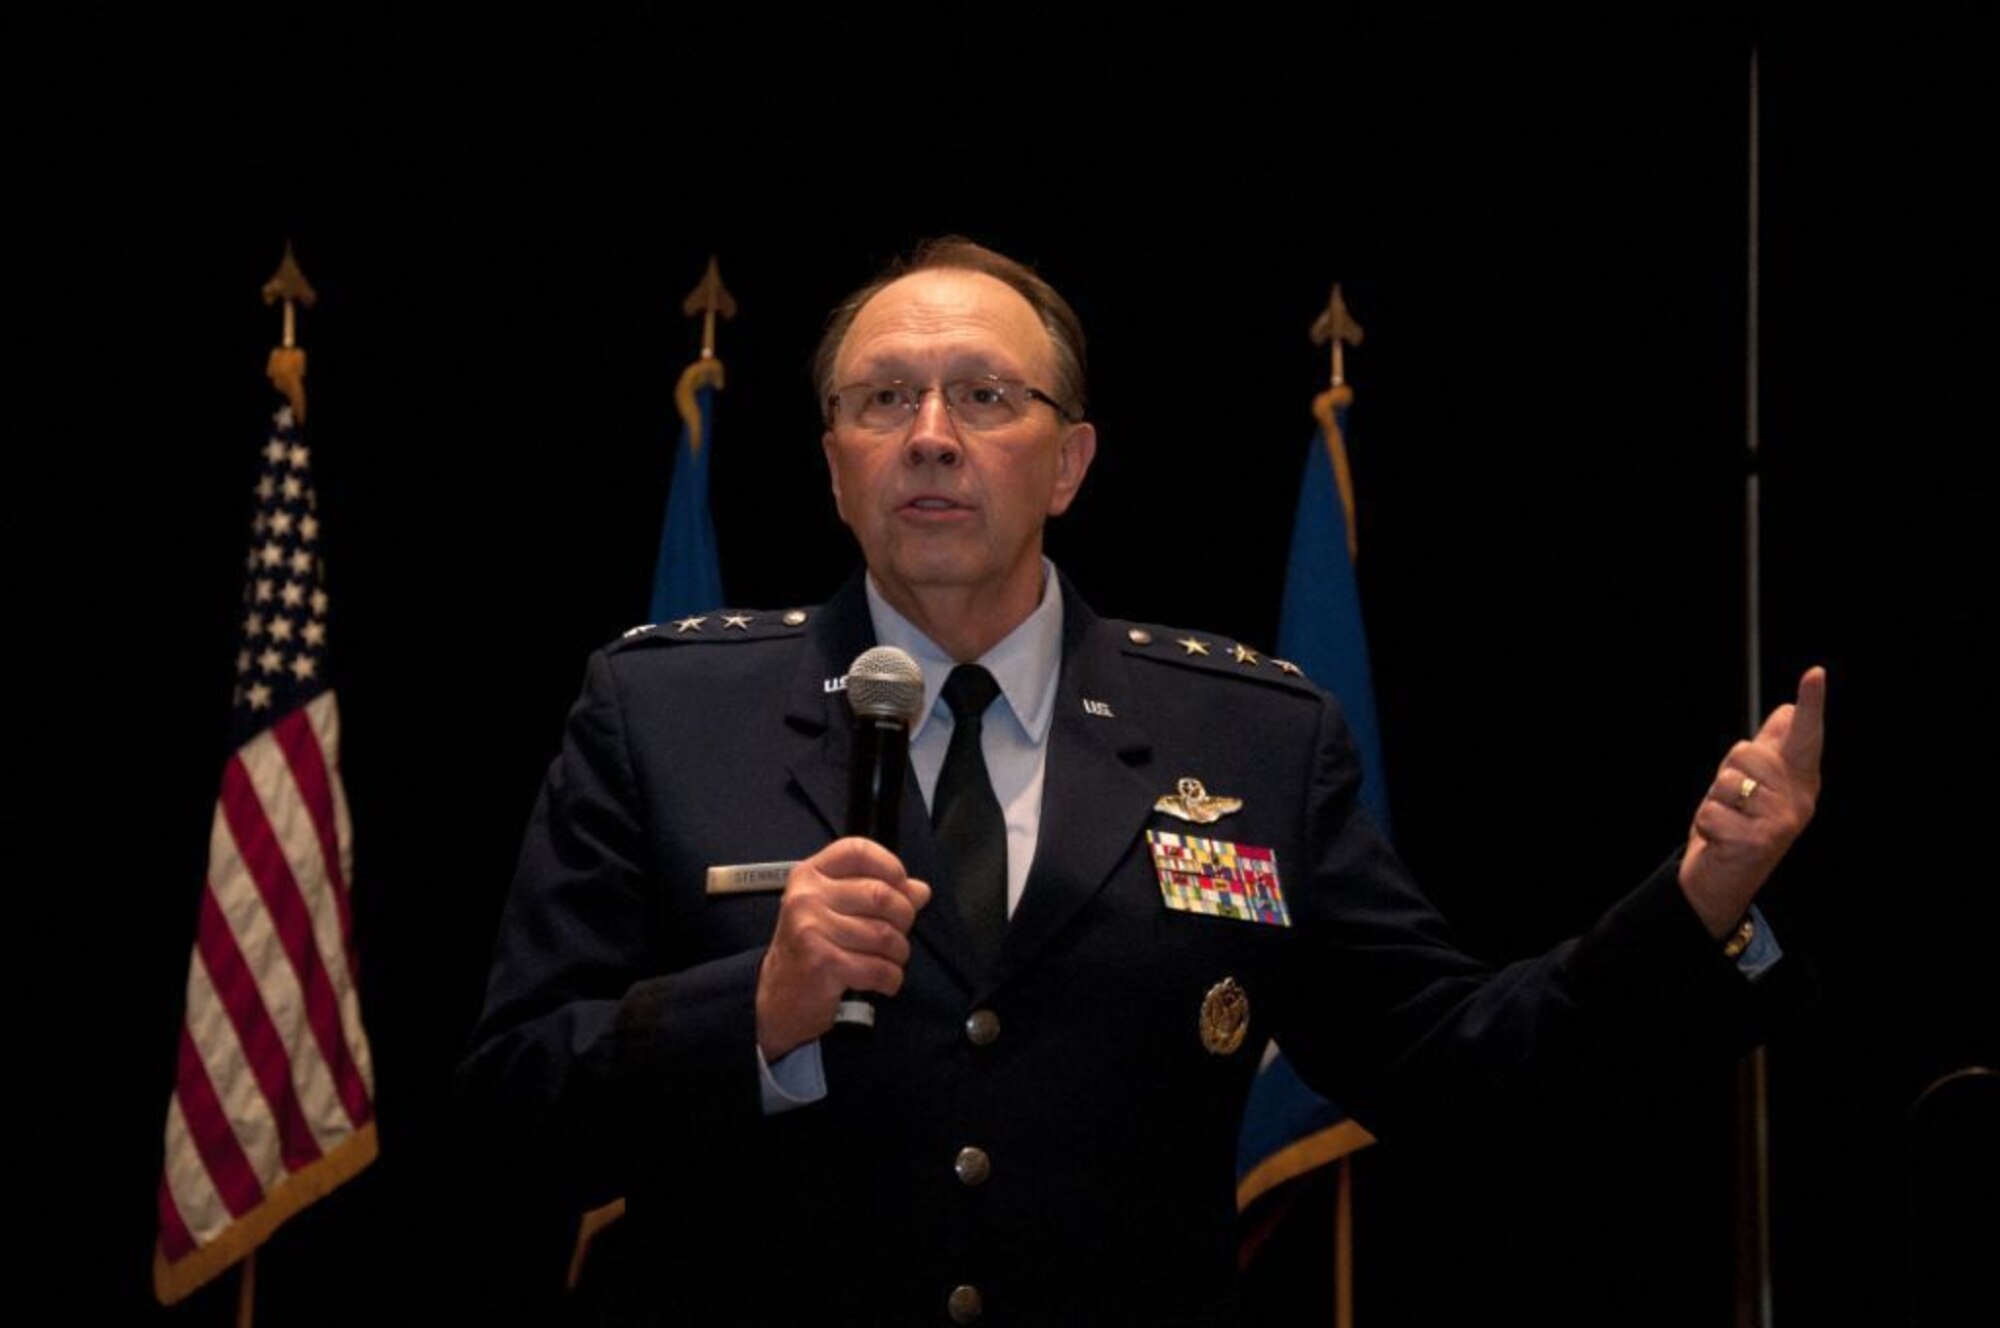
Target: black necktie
{"x": 966, "y": 815}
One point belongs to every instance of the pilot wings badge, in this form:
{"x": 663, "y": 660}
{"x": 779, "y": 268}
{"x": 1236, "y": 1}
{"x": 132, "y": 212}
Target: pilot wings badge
{"x": 1193, "y": 803}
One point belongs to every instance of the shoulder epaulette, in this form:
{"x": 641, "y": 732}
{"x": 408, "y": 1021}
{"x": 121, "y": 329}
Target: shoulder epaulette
{"x": 1207, "y": 653}
{"x": 717, "y": 627}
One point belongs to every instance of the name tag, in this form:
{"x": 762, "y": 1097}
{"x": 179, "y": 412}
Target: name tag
{"x": 749, "y": 878}
{"x": 1218, "y": 878}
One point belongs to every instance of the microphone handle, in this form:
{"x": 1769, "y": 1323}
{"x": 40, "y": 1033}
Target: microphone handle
{"x": 875, "y": 772}
{"x": 875, "y": 768}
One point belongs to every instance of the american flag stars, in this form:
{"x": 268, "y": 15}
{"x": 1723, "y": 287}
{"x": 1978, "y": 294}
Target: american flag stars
{"x": 282, "y": 659}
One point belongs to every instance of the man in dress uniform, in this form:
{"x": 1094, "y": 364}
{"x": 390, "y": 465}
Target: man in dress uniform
{"x": 1129, "y": 855}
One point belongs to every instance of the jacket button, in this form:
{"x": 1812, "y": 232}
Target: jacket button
{"x": 964, "y": 1304}
{"x": 972, "y": 1166}
{"x": 982, "y": 1028}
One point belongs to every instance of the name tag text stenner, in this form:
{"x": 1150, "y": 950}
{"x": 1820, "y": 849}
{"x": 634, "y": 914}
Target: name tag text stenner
{"x": 749, "y": 878}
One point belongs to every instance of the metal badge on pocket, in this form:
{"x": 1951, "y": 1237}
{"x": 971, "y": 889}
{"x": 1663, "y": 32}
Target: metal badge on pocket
{"x": 1225, "y": 1017}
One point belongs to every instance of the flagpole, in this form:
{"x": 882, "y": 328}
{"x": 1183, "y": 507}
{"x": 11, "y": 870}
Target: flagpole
{"x": 1336, "y": 328}
{"x": 246, "y": 1285}
{"x": 1753, "y": 1126}
{"x": 1343, "y": 1244}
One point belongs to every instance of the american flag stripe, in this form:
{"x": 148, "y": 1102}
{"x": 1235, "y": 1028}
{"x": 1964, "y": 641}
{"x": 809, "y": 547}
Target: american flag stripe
{"x": 185, "y": 1189}
{"x": 236, "y": 1092}
{"x": 263, "y": 853}
{"x": 233, "y": 988}
{"x": 229, "y": 1175}
{"x": 251, "y": 927}
{"x": 176, "y": 1241}
{"x": 317, "y": 734}
{"x": 292, "y": 781}
{"x": 285, "y": 802}
{"x": 301, "y": 746}
{"x": 324, "y": 712}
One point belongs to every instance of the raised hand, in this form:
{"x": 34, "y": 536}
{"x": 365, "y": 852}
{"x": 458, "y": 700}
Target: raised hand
{"x": 1762, "y": 798}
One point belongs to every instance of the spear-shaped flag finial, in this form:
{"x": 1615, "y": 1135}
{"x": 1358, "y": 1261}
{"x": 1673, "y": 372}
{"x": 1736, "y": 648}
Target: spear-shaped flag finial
{"x": 708, "y": 299}
{"x": 1337, "y": 326}
{"x": 287, "y": 365}
{"x": 289, "y": 284}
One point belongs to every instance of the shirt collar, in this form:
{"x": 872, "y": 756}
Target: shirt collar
{"x": 1024, "y": 663}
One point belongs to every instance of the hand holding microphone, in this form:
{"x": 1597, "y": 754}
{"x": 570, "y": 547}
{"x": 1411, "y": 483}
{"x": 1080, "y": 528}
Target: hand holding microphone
{"x": 843, "y": 925}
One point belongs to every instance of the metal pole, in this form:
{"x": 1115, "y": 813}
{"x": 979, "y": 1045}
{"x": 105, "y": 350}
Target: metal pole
{"x": 1753, "y": 1125}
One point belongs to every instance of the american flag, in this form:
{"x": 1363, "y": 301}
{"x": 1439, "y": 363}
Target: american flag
{"x": 273, "y": 1102}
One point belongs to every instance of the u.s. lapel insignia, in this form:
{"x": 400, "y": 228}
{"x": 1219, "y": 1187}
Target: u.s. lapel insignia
{"x": 1225, "y": 1017}
{"x": 1193, "y": 803}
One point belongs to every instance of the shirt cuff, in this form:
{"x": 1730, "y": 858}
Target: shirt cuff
{"x": 798, "y": 1079}
{"x": 1756, "y": 959}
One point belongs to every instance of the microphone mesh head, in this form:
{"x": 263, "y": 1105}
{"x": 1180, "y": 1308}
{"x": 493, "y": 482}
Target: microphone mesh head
{"x": 885, "y": 683}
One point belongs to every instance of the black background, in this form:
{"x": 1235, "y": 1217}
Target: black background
{"x": 1543, "y": 231}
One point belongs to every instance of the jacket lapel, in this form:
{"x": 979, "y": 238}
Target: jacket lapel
{"x": 815, "y": 708}
{"x": 1095, "y": 799}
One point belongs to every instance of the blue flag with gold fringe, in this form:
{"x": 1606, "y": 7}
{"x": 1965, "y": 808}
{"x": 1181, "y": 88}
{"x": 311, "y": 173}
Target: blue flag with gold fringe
{"x": 687, "y": 577}
{"x": 1288, "y": 1129}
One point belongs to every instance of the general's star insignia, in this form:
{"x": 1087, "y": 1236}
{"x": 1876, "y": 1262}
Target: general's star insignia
{"x": 1244, "y": 654}
{"x": 1192, "y": 803}
{"x": 740, "y": 621}
{"x": 689, "y": 624}
{"x": 1192, "y": 646}
{"x": 1286, "y": 666}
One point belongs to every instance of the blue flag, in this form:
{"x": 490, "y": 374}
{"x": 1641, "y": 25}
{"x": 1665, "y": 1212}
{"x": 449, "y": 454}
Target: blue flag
{"x": 687, "y": 579}
{"x": 1319, "y": 624}
{"x": 1287, "y": 1128}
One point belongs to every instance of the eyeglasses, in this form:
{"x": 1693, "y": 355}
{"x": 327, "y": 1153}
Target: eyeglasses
{"x": 978, "y": 404}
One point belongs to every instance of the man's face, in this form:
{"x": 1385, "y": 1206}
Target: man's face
{"x": 940, "y": 509}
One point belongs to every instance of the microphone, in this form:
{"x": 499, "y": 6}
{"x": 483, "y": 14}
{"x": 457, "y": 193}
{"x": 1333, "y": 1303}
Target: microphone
{"x": 885, "y": 690}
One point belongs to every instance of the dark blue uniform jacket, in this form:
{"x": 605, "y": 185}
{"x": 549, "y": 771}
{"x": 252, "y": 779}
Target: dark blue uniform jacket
{"x": 617, "y": 1040}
